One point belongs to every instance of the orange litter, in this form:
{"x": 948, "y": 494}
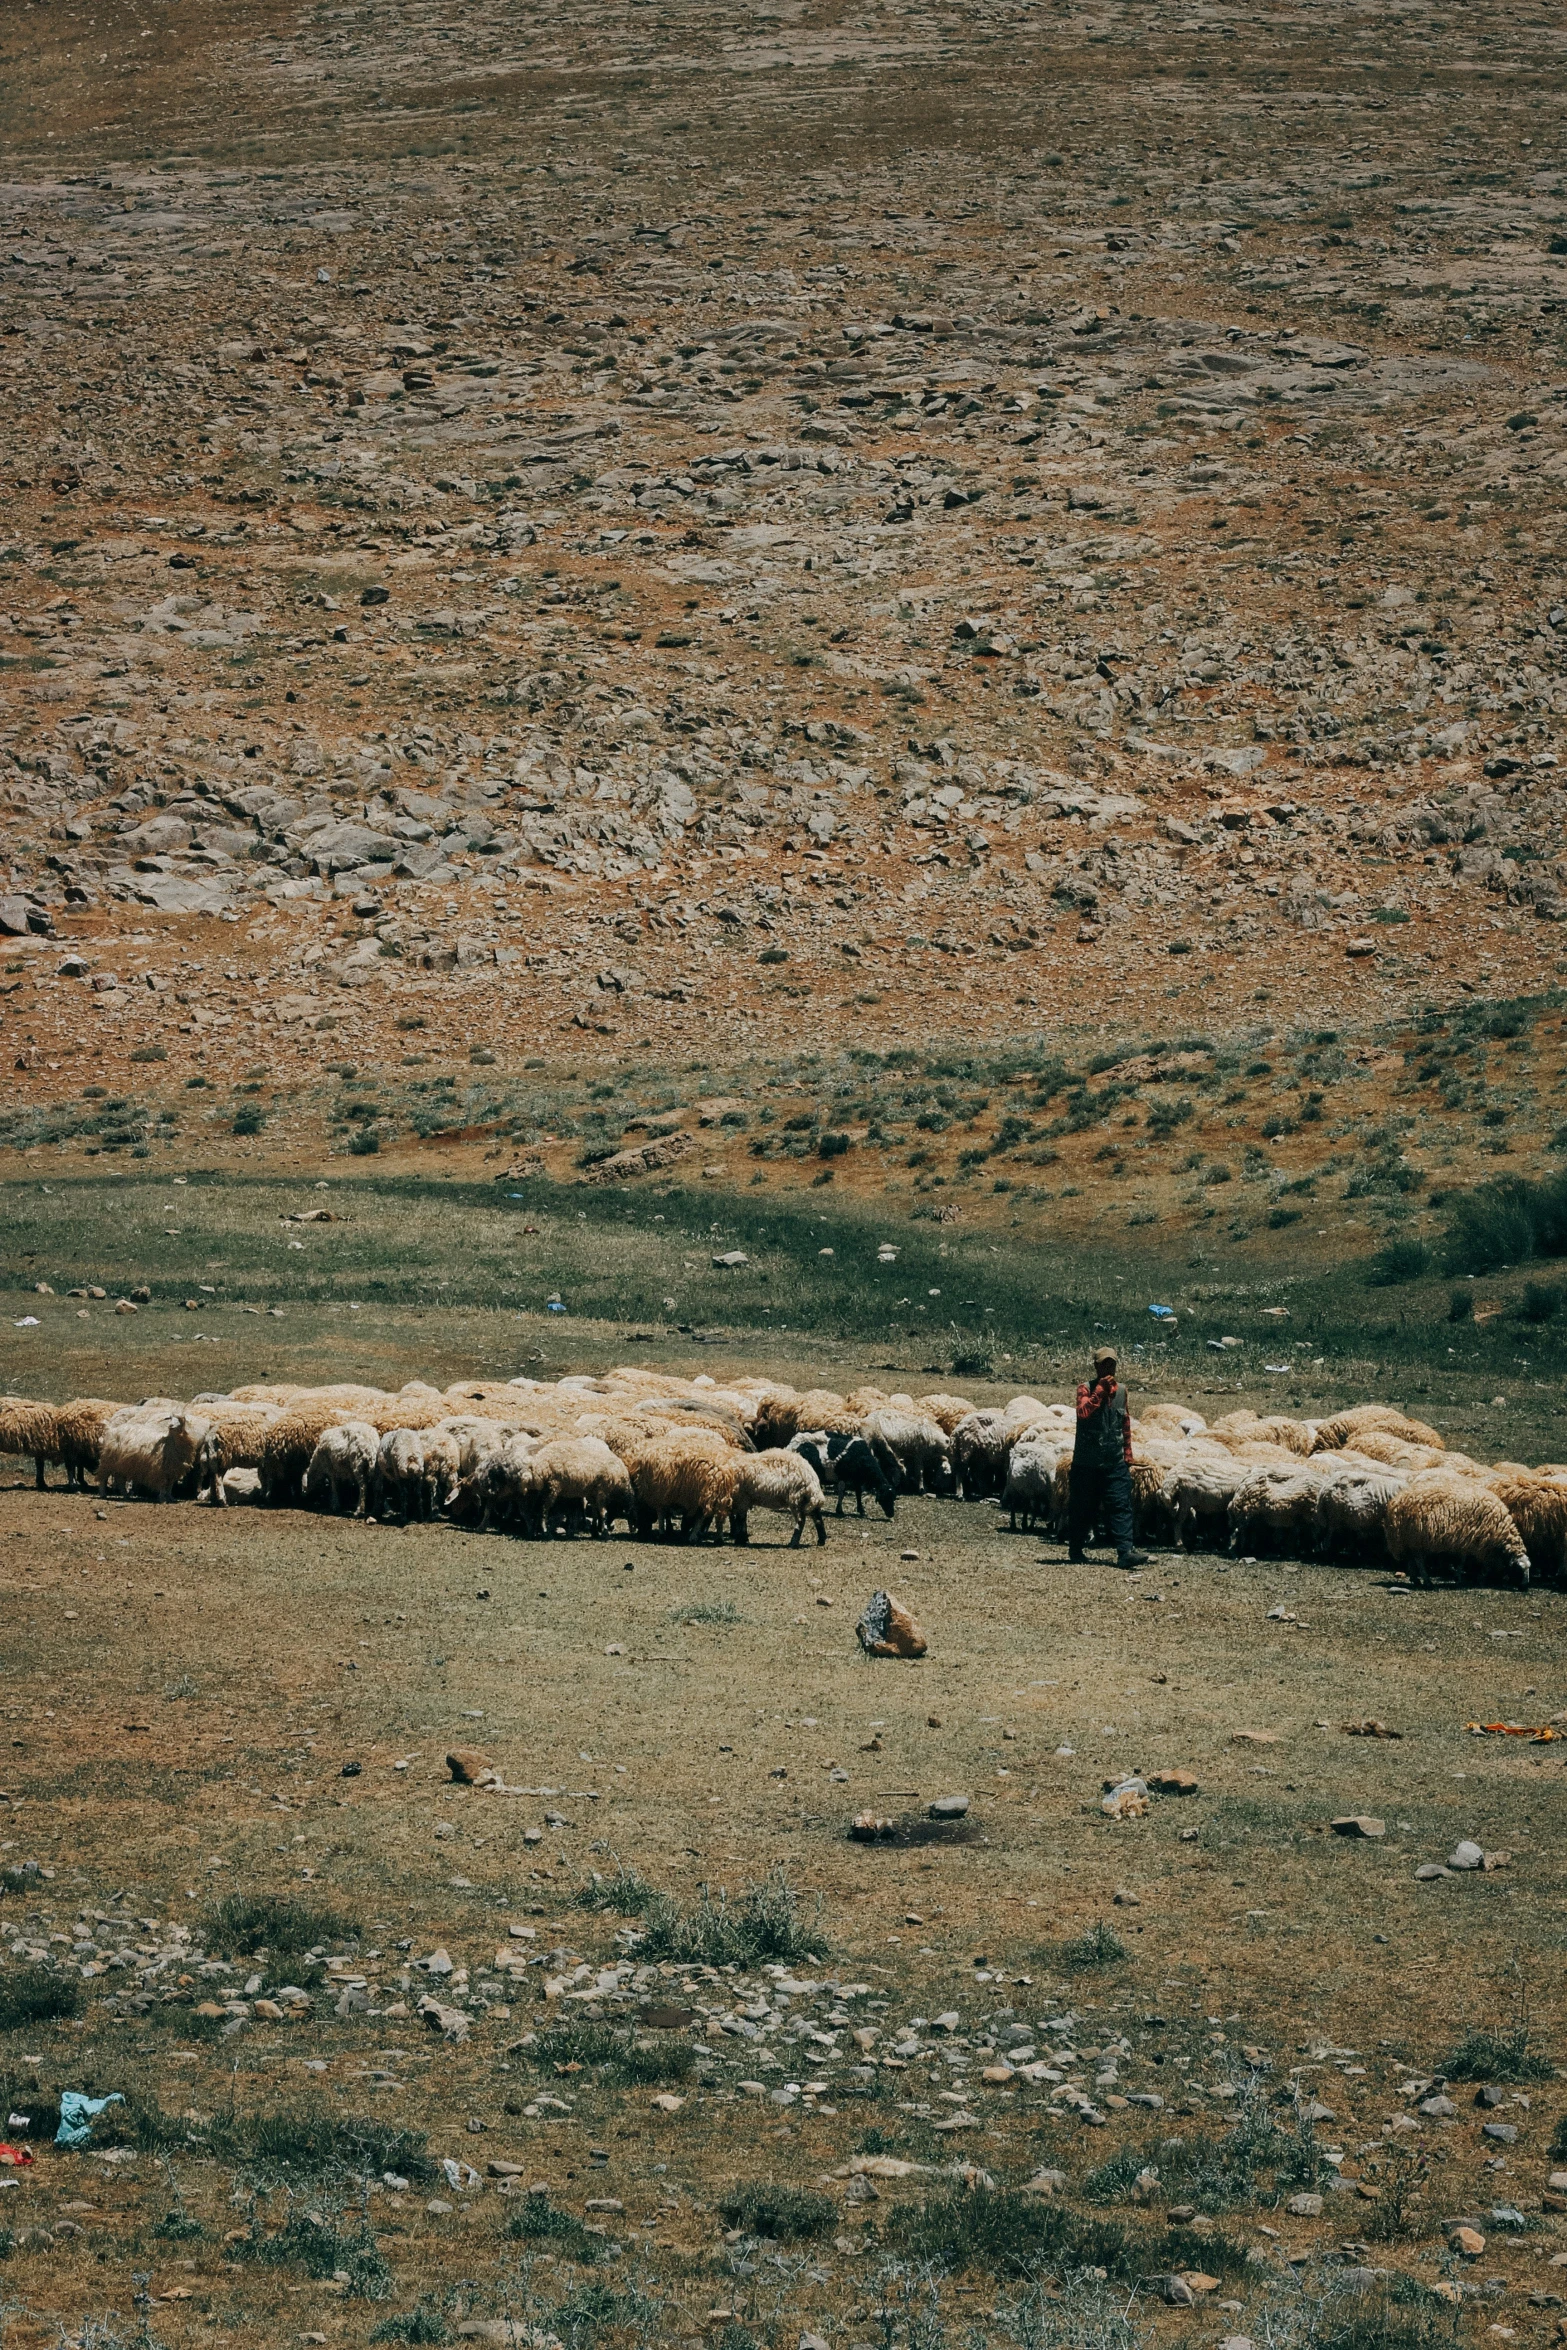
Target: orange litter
{"x": 1542, "y": 1733}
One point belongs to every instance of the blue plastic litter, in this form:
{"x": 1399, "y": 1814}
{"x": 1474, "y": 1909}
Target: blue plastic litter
{"x": 78, "y": 2112}
{"x": 554, "y": 1306}
{"x": 1162, "y": 1313}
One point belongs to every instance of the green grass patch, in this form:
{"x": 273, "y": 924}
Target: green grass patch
{"x": 426, "y": 2322}
{"x": 37, "y": 1995}
{"x": 627, "y": 1894}
{"x": 787, "y": 2213}
{"x": 601, "y": 2048}
{"x": 308, "y": 2142}
{"x": 536, "y": 2220}
{"x": 765, "y": 1923}
{"x": 290, "y": 1933}
{"x": 1089, "y": 1952}
{"x": 1496, "y": 2056}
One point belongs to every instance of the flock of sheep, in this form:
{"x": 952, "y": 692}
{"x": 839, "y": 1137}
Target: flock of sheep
{"x": 690, "y": 1456}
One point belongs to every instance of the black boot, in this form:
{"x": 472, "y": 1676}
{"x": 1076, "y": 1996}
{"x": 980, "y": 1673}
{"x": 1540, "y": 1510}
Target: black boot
{"x": 1132, "y": 1558}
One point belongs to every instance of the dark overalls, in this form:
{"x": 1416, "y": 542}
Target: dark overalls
{"x": 1101, "y": 1490}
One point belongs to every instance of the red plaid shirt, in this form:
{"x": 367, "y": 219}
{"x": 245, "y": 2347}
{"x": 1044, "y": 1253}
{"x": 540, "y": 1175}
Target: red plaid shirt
{"x": 1093, "y": 1399}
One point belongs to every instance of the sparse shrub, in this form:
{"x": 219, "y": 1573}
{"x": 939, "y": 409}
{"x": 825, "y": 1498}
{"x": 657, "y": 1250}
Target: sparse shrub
{"x": 784, "y": 2212}
{"x": 309, "y": 2240}
{"x": 1400, "y": 1261}
{"x": 1101, "y": 1946}
{"x": 595, "y": 2304}
{"x": 365, "y": 1143}
{"x": 627, "y": 1893}
{"x": 249, "y": 1120}
{"x": 426, "y": 2322}
{"x": 37, "y": 1995}
{"x": 1539, "y": 1301}
{"x": 607, "y": 2050}
{"x": 975, "y": 1360}
{"x": 707, "y": 1611}
{"x": 1278, "y": 1218}
{"x": 1496, "y": 2056}
{"x": 535, "y": 2220}
{"x": 307, "y": 2142}
{"x": 249, "y": 1923}
{"x": 1507, "y": 1222}
{"x": 765, "y": 1923}
{"x": 1461, "y": 1306}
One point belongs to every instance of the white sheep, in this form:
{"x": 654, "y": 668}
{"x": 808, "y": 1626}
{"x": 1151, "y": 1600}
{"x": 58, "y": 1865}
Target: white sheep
{"x": 1439, "y": 1516}
{"x": 399, "y": 1474}
{"x": 1198, "y": 1490}
{"x": 913, "y": 1449}
{"x": 1031, "y": 1468}
{"x": 30, "y": 1429}
{"x": 1275, "y": 1509}
{"x": 1352, "y": 1506}
{"x": 150, "y": 1451}
{"x": 772, "y": 1480}
{"x": 579, "y": 1476}
{"x": 342, "y": 1468}
{"x": 979, "y": 1455}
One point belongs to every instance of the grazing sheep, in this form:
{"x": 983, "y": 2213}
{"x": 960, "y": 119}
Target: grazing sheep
{"x": 669, "y": 1479}
{"x": 1275, "y": 1509}
{"x": 1172, "y": 1419}
{"x": 235, "y": 1434}
{"x": 979, "y": 1455}
{"x": 498, "y": 1496}
{"x": 1352, "y": 1506}
{"x": 1024, "y": 1411}
{"x": 1198, "y": 1493}
{"x": 1296, "y": 1436}
{"x": 945, "y": 1410}
{"x": 579, "y": 1476}
{"x": 679, "y": 1411}
{"x": 79, "y": 1427}
{"x": 441, "y": 1469}
{"x": 1030, "y": 1487}
{"x": 1439, "y": 1516}
{"x": 282, "y": 1395}
{"x": 30, "y": 1428}
{"x": 914, "y": 1450}
{"x": 475, "y": 1440}
{"x": 149, "y": 1451}
{"x": 847, "y": 1464}
{"x": 866, "y": 1400}
{"x": 1151, "y": 1519}
{"x": 399, "y": 1474}
{"x": 342, "y": 1470}
{"x": 1348, "y": 1427}
{"x": 288, "y": 1444}
{"x": 1378, "y": 1444}
{"x": 1537, "y": 1505}
{"x": 773, "y": 1480}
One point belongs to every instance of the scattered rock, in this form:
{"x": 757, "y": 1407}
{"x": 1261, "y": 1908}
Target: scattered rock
{"x": 949, "y": 1807}
{"x": 1468, "y": 2243}
{"x": 1466, "y": 1856}
{"x": 1358, "y": 1824}
{"x": 1304, "y": 2206}
{"x": 1173, "y": 1783}
{"x": 468, "y": 1767}
{"x": 1429, "y": 1871}
{"x": 887, "y": 1629}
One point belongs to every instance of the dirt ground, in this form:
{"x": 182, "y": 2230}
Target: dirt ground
{"x": 186, "y": 1690}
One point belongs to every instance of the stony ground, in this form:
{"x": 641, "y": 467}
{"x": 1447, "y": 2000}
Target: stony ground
{"x": 198, "y": 1713}
{"x": 964, "y": 601}
{"x": 701, "y": 517}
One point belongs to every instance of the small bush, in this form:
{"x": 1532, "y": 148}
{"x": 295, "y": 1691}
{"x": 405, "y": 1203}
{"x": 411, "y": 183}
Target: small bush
{"x": 1400, "y": 1261}
{"x": 1559, "y": 2142}
{"x": 707, "y": 1611}
{"x": 1539, "y": 1302}
{"x": 309, "y": 2143}
{"x": 595, "y": 2304}
{"x": 426, "y": 2322}
{"x": 536, "y": 2220}
{"x": 364, "y": 1144}
{"x": 249, "y": 1120}
{"x": 627, "y": 1894}
{"x": 1496, "y": 2056}
{"x": 1508, "y": 1222}
{"x": 977, "y": 1361}
{"x": 37, "y": 1995}
{"x": 784, "y": 2212}
{"x": 1101, "y": 1946}
{"x": 606, "y": 2050}
{"x": 764, "y": 1924}
{"x": 310, "y": 2241}
{"x": 1278, "y": 1218}
{"x": 1461, "y": 1306}
{"x": 249, "y": 1923}
{"x": 1010, "y": 2234}
{"x": 834, "y": 1144}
